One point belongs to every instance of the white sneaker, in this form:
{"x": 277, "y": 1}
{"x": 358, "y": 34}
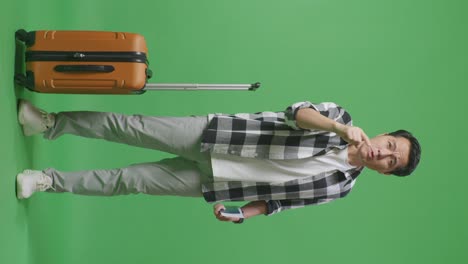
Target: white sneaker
{"x": 33, "y": 119}
{"x": 30, "y": 181}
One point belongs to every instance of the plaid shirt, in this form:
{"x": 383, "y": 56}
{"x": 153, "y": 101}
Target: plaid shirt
{"x": 275, "y": 135}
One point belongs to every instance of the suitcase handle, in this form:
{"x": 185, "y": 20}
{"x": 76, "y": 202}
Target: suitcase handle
{"x": 85, "y": 68}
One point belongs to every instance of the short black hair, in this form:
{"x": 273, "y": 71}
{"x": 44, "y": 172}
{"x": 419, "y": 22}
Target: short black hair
{"x": 414, "y": 153}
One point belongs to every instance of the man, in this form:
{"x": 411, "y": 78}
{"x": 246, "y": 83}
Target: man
{"x": 308, "y": 154}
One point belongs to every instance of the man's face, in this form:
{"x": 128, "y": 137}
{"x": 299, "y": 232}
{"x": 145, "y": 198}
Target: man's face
{"x": 386, "y": 153}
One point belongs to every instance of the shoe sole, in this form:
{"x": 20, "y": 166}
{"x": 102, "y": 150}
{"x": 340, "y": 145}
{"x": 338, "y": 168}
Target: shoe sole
{"x": 19, "y": 190}
{"x": 21, "y": 112}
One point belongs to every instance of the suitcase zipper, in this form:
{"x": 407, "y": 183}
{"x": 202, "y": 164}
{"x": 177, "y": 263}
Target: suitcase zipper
{"x": 138, "y": 57}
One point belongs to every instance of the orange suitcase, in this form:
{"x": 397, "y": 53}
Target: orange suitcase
{"x": 94, "y": 62}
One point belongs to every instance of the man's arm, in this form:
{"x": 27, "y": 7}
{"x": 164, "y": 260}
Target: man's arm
{"x": 249, "y": 210}
{"x": 262, "y": 207}
{"x": 308, "y": 118}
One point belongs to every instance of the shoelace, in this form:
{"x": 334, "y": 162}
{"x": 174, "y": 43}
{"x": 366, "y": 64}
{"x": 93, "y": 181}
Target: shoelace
{"x": 44, "y": 183}
{"x": 46, "y": 117}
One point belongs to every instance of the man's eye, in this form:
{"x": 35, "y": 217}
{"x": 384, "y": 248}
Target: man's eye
{"x": 391, "y": 145}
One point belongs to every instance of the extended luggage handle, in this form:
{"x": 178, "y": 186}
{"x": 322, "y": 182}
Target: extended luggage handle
{"x": 196, "y": 86}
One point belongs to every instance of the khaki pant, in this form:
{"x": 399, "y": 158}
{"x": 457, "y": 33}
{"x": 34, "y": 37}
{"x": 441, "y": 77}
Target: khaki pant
{"x": 181, "y": 176}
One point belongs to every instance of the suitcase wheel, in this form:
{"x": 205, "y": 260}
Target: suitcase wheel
{"x": 25, "y": 80}
{"x": 24, "y": 36}
{"x": 20, "y": 79}
{"x": 21, "y": 35}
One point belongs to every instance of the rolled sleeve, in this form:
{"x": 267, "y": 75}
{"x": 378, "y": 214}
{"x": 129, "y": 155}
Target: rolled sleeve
{"x": 327, "y": 109}
{"x": 273, "y": 207}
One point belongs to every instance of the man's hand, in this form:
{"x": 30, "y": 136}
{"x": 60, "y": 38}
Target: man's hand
{"x": 308, "y": 118}
{"x": 217, "y": 212}
{"x": 249, "y": 210}
{"x": 351, "y": 134}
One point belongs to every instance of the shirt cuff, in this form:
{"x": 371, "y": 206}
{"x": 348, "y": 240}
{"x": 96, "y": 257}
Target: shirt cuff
{"x": 273, "y": 207}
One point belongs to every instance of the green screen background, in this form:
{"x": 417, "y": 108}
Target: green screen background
{"x": 391, "y": 64}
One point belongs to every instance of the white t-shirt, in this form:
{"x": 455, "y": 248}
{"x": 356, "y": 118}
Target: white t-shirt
{"x": 234, "y": 168}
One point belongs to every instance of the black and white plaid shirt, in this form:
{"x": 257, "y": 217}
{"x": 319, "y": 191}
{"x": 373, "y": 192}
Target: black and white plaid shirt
{"x": 275, "y": 135}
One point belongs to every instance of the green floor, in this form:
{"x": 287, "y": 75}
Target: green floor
{"x": 392, "y": 64}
